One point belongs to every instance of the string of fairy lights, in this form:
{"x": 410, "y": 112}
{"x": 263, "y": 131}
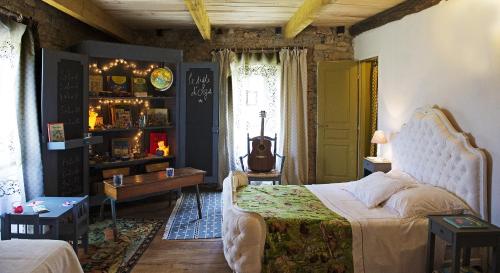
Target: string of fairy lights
{"x": 97, "y": 69}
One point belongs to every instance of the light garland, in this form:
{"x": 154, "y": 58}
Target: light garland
{"x": 123, "y": 101}
{"x": 94, "y": 67}
{"x": 138, "y": 142}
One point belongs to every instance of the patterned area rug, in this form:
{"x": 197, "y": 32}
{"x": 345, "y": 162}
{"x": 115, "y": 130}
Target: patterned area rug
{"x": 106, "y": 255}
{"x": 183, "y": 223}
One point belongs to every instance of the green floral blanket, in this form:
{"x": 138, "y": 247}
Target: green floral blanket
{"x": 302, "y": 234}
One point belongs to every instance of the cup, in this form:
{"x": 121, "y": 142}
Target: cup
{"x": 170, "y": 172}
{"x": 118, "y": 179}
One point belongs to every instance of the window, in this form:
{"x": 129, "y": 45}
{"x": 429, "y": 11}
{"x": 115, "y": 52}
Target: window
{"x": 256, "y": 87}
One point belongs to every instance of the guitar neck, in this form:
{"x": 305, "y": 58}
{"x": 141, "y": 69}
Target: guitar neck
{"x": 262, "y": 127}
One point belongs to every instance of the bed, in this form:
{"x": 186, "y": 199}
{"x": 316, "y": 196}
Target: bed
{"x": 427, "y": 148}
{"x": 38, "y": 256}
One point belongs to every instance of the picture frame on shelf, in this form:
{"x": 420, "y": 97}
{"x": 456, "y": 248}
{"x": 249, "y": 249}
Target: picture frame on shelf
{"x": 139, "y": 87}
{"x": 96, "y": 84}
{"x": 118, "y": 85}
{"x": 56, "y": 132}
{"x": 154, "y": 139}
{"x": 120, "y": 147}
{"x": 121, "y": 117}
{"x": 157, "y": 117}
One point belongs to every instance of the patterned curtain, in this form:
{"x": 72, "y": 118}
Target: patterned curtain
{"x": 373, "y": 105}
{"x": 224, "y": 58}
{"x": 20, "y": 156}
{"x": 256, "y": 87}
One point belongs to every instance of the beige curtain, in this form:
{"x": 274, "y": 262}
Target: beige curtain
{"x": 294, "y": 115}
{"x": 225, "y": 153}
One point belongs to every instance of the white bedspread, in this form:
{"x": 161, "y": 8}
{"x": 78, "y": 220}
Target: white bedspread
{"x": 382, "y": 242}
{"x": 38, "y": 256}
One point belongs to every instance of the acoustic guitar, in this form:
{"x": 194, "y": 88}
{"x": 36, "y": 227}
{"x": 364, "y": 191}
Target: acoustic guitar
{"x": 261, "y": 159}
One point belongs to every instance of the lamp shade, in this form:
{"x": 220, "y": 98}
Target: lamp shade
{"x": 379, "y": 137}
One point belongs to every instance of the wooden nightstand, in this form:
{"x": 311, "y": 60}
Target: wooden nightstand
{"x": 462, "y": 238}
{"x": 375, "y": 164}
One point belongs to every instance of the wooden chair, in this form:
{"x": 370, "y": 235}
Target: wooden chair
{"x": 106, "y": 174}
{"x": 22, "y": 224}
{"x": 274, "y": 175}
{"x": 78, "y": 226}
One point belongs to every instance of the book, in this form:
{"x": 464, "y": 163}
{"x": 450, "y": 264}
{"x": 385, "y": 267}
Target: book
{"x": 157, "y": 116}
{"x": 465, "y": 222}
{"x": 56, "y": 132}
{"x": 40, "y": 209}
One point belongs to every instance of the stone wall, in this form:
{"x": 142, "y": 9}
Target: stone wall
{"x": 56, "y": 29}
{"x": 322, "y": 45}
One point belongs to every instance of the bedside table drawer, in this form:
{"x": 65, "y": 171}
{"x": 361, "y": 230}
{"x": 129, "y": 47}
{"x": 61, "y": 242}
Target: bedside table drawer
{"x": 441, "y": 232}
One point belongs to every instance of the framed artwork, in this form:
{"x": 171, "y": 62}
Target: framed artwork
{"x": 96, "y": 84}
{"x": 120, "y": 147}
{"x": 154, "y": 139}
{"x": 139, "y": 87}
{"x": 56, "y": 132}
{"x": 157, "y": 116}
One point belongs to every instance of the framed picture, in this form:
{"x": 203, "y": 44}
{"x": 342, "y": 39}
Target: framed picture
{"x": 96, "y": 84}
{"x": 56, "y": 132}
{"x": 120, "y": 147}
{"x": 157, "y": 116}
{"x": 121, "y": 117}
{"x": 119, "y": 85}
{"x": 154, "y": 139}
{"x": 139, "y": 87}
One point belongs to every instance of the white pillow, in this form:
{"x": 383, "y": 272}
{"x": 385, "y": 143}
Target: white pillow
{"x": 424, "y": 200}
{"x": 376, "y": 188}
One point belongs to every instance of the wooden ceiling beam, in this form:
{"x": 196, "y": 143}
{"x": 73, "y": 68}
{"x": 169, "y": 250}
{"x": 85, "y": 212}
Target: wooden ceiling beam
{"x": 393, "y": 14}
{"x": 200, "y": 17}
{"x": 303, "y": 17}
{"x": 89, "y": 13}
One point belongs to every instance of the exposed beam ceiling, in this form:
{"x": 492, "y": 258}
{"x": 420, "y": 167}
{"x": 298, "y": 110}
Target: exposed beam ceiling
{"x": 200, "y": 17}
{"x": 395, "y": 13}
{"x": 303, "y": 17}
{"x": 87, "y": 12}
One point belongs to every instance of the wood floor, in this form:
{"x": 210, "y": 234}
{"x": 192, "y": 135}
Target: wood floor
{"x": 172, "y": 256}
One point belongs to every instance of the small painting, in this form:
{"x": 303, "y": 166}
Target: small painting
{"x": 120, "y": 147}
{"x": 157, "y": 116}
{"x": 155, "y": 139}
{"x": 56, "y": 132}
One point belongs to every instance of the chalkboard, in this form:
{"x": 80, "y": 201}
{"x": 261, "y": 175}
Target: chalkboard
{"x": 64, "y": 99}
{"x": 70, "y": 97}
{"x": 70, "y": 172}
{"x": 201, "y": 117}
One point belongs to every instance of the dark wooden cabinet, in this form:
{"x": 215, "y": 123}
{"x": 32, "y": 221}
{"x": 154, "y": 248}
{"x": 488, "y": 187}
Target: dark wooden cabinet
{"x": 68, "y": 94}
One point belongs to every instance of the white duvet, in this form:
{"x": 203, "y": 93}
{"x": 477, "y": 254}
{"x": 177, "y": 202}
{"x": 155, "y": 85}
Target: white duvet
{"x": 382, "y": 242}
{"x": 38, "y": 256}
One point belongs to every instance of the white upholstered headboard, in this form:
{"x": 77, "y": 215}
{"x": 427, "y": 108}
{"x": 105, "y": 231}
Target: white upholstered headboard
{"x": 431, "y": 150}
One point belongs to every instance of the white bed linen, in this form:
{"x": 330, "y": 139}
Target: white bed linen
{"x": 382, "y": 242}
{"x": 38, "y": 256}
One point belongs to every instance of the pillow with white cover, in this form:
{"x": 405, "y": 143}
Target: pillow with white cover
{"x": 424, "y": 200}
{"x": 376, "y": 188}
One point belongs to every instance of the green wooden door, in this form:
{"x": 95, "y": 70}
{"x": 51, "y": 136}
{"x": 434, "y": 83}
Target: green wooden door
{"x": 337, "y": 128}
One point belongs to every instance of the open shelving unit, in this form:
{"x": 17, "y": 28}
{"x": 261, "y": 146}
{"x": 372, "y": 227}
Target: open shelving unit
{"x": 129, "y": 108}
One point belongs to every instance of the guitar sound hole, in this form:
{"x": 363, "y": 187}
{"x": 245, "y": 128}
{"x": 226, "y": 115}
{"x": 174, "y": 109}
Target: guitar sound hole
{"x": 262, "y": 147}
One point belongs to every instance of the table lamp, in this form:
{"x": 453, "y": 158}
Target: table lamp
{"x": 378, "y": 139}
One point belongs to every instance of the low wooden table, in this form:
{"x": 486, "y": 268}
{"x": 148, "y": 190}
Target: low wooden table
{"x": 141, "y": 186}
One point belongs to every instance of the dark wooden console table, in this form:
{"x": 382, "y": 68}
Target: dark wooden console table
{"x": 140, "y": 186}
